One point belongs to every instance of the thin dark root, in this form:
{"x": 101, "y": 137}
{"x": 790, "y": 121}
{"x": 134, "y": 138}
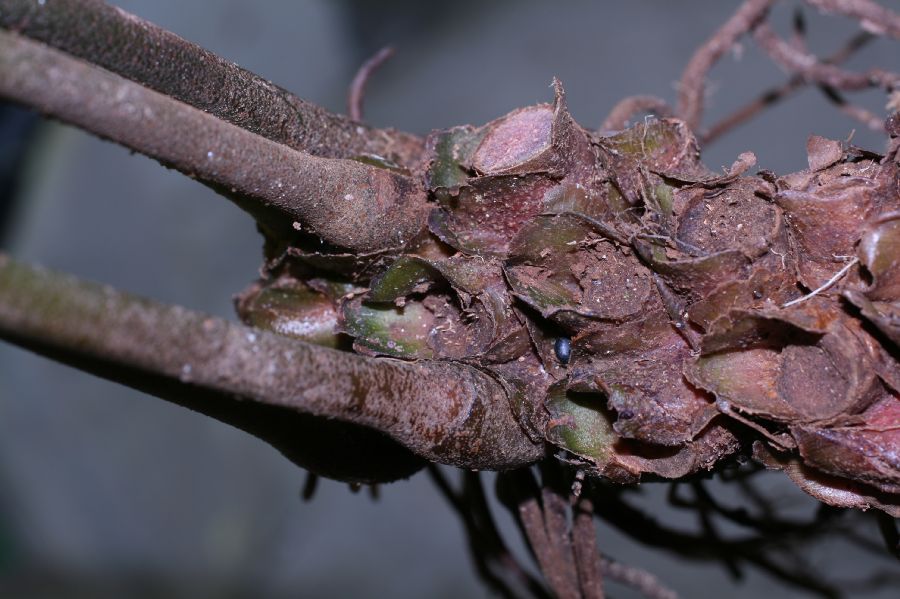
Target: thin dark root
{"x": 375, "y": 492}
{"x": 357, "y": 92}
{"x": 791, "y": 55}
{"x": 494, "y": 562}
{"x": 798, "y": 38}
{"x": 871, "y": 15}
{"x": 890, "y": 533}
{"x": 774, "y": 95}
{"x": 869, "y": 119}
{"x": 692, "y": 86}
{"x": 811, "y": 69}
{"x": 310, "y": 486}
{"x": 784, "y": 561}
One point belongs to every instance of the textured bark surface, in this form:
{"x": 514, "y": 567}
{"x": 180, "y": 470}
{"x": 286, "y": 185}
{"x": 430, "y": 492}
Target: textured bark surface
{"x": 142, "y": 52}
{"x": 468, "y": 424}
{"x": 346, "y": 203}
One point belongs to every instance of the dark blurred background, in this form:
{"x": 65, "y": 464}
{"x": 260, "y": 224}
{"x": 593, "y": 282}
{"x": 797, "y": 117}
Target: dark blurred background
{"x": 105, "y": 492}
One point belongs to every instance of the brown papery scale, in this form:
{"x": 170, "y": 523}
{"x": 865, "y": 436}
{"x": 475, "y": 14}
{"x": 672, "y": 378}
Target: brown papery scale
{"x": 685, "y": 293}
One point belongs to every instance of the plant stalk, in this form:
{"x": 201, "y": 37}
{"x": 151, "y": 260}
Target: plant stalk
{"x": 124, "y": 44}
{"x": 346, "y": 203}
{"x": 444, "y": 412}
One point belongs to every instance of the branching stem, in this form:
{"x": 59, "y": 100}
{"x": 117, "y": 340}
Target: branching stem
{"x": 810, "y": 68}
{"x": 776, "y": 94}
{"x": 357, "y": 92}
{"x": 124, "y": 44}
{"x": 692, "y": 86}
{"x": 133, "y": 340}
{"x": 347, "y": 203}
